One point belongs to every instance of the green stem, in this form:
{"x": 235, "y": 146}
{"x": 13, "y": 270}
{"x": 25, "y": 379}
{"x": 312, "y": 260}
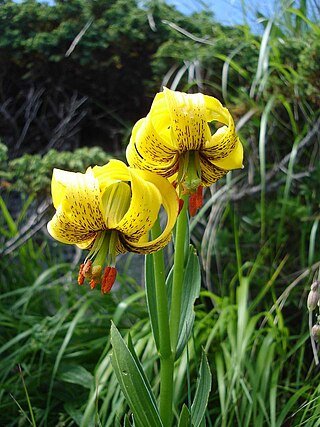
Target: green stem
{"x": 166, "y": 356}
{"x": 178, "y": 271}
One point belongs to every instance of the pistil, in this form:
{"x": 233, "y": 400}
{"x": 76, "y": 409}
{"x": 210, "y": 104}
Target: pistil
{"x": 189, "y": 175}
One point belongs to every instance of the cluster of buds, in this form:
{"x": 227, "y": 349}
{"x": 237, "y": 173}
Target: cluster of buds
{"x": 313, "y": 302}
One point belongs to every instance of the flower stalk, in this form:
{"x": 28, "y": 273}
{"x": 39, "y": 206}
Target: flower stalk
{"x": 166, "y": 356}
{"x": 169, "y": 323}
{"x": 178, "y": 271}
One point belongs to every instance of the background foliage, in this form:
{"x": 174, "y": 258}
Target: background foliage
{"x": 70, "y": 103}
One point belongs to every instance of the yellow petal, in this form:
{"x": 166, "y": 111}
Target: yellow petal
{"x": 59, "y": 183}
{"x": 233, "y": 160}
{"x": 148, "y": 192}
{"x": 188, "y": 119}
{"x": 143, "y": 210}
{"x": 161, "y": 119}
{"x": 215, "y": 111}
{"x": 150, "y": 148}
{"x": 78, "y": 216}
{"x": 113, "y": 171}
{"x": 212, "y": 171}
{"x": 209, "y": 172}
{"x": 115, "y": 203}
{"x": 222, "y": 143}
{"x": 170, "y": 202}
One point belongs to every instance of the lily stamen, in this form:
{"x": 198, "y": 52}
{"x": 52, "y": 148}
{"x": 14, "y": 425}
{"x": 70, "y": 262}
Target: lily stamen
{"x": 80, "y": 275}
{"x": 87, "y": 269}
{"x": 109, "y": 277}
{"x": 96, "y": 276}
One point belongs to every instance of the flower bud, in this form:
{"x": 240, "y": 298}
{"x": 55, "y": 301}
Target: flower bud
{"x": 314, "y": 296}
{"x": 315, "y": 331}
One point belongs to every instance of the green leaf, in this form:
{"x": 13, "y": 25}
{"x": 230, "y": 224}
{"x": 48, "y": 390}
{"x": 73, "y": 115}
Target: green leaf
{"x": 185, "y": 417}
{"x": 139, "y": 366}
{"x": 191, "y": 291}
{"x": 200, "y": 402}
{"x": 151, "y": 298}
{"x": 285, "y": 411}
{"x": 133, "y": 383}
{"x": 301, "y": 15}
{"x": 76, "y": 374}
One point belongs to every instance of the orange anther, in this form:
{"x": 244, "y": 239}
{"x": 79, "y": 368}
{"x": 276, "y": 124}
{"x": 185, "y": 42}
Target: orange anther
{"x": 80, "y": 275}
{"x": 93, "y": 284}
{"x": 108, "y": 279}
{"x": 87, "y": 269}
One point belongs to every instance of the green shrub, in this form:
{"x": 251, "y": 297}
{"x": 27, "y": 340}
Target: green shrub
{"x": 31, "y": 174}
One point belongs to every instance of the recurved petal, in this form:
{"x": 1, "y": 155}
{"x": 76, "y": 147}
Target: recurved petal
{"x": 59, "y": 182}
{"x": 161, "y": 119}
{"x": 143, "y": 210}
{"x": 112, "y": 172}
{"x": 222, "y": 143}
{"x": 188, "y": 119}
{"x": 78, "y": 216}
{"x": 234, "y": 160}
{"x": 150, "y": 148}
{"x": 209, "y": 172}
{"x": 170, "y": 202}
{"x": 216, "y": 111}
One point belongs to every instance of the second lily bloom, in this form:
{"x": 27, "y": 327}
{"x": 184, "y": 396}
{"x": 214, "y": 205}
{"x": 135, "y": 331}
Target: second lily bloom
{"x": 175, "y": 141}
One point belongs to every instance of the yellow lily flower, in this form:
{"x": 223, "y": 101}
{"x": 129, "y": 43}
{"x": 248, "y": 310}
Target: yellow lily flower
{"x": 176, "y": 142}
{"x": 108, "y": 210}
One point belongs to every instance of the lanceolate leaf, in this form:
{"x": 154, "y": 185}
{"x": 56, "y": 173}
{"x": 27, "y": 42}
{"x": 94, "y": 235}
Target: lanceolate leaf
{"x": 201, "y": 397}
{"x": 133, "y": 383}
{"x": 139, "y": 366}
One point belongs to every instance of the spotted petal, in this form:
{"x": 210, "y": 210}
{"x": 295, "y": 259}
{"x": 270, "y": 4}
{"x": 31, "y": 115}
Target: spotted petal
{"x": 210, "y": 173}
{"x": 143, "y": 210}
{"x": 78, "y": 217}
{"x": 150, "y": 147}
{"x": 167, "y": 196}
{"x": 225, "y": 139}
{"x": 148, "y": 192}
{"x": 188, "y": 119}
{"x": 233, "y": 160}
